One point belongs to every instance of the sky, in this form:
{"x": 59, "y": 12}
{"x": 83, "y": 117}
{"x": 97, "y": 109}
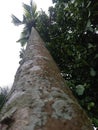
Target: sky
{"x": 9, "y": 34}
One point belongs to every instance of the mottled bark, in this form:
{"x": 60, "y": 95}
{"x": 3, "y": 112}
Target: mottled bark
{"x": 40, "y": 99}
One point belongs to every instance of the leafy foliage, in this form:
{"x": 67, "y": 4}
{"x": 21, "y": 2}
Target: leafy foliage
{"x": 3, "y": 95}
{"x": 29, "y": 21}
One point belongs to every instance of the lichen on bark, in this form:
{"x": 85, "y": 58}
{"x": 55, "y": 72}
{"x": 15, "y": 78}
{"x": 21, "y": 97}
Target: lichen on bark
{"x": 39, "y": 98}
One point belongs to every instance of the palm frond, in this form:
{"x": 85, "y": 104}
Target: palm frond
{"x": 27, "y": 7}
{"x": 25, "y": 33}
{"x": 24, "y": 19}
{"x": 27, "y": 13}
{"x": 16, "y": 21}
{"x": 29, "y": 21}
{"x": 24, "y": 36}
{"x": 34, "y": 8}
{"x": 23, "y": 41}
{"x": 30, "y": 10}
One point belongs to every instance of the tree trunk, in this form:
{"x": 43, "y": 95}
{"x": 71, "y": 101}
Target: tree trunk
{"x": 39, "y": 98}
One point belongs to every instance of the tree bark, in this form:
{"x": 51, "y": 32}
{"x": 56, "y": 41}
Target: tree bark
{"x": 39, "y": 98}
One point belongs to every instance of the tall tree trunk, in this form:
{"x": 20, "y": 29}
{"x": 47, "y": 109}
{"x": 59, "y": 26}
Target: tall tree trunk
{"x": 40, "y": 99}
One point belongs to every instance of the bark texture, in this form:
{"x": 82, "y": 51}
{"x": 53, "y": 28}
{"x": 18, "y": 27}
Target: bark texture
{"x": 40, "y": 99}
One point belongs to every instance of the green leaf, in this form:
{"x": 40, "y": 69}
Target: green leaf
{"x": 23, "y": 41}
{"x": 90, "y": 45}
{"x": 96, "y": 56}
{"x": 88, "y": 26}
{"x": 27, "y": 8}
{"x": 89, "y": 14}
{"x": 95, "y": 121}
{"x": 92, "y": 72}
{"x": 90, "y": 105}
{"x": 16, "y": 21}
{"x": 80, "y": 89}
{"x": 88, "y": 4}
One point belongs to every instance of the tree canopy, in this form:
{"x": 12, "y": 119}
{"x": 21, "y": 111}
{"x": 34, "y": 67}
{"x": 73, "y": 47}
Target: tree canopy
{"x": 70, "y": 32}
{"x": 29, "y": 21}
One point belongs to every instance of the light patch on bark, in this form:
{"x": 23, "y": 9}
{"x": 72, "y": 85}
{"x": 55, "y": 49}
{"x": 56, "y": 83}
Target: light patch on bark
{"x": 35, "y": 68}
{"x": 62, "y": 110}
{"x": 38, "y": 118}
{"x": 14, "y": 96}
{"x": 43, "y": 57}
{"x": 26, "y": 64}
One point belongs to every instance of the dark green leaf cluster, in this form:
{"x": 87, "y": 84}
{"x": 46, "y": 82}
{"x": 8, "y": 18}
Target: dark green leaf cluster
{"x": 3, "y": 96}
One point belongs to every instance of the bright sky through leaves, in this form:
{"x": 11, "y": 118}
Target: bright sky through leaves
{"x": 9, "y": 34}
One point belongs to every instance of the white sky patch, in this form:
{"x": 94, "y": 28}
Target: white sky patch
{"x": 9, "y": 34}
